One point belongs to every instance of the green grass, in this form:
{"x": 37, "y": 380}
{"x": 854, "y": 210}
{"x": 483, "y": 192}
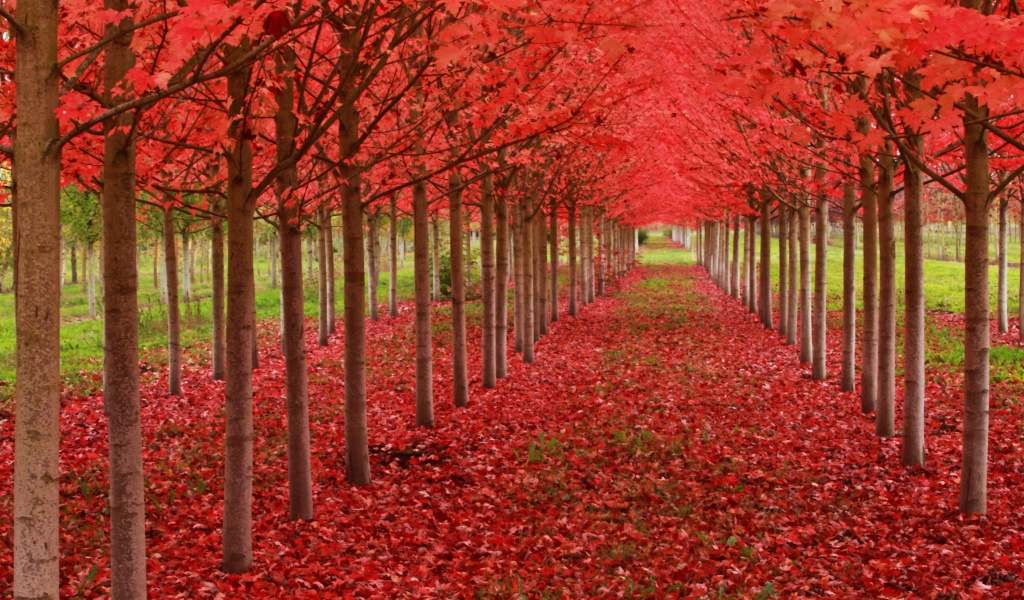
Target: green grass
{"x": 82, "y": 338}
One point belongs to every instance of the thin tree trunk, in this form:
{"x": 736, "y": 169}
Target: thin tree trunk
{"x": 217, "y": 237}
{"x": 173, "y": 308}
{"x": 793, "y": 288}
{"x": 520, "y": 275}
{"x": 784, "y": 267}
{"x": 90, "y": 275}
{"x": 73, "y": 251}
{"x": 300, "y": 479}
{"x": 1003, "y": 317}
{"x": 488, "y": 330}
{"x": 237, "y": 529}
{"x": 913, "y": 333}
{"x": 424, "y": 348}
{"x": 553, "y": 233}
{"x": 120, "y": 327}
{"x": 460, "y": 378}
{"x": 974, "y": 471}
{"x": 885, "y": 419}
{"x": 357, "y": 452}
{"x": 806, "y": 335}
{"x": 332, "y": 315}
{"x": 751, "y": 264}
{"x": 436, "y": 273}
{"x": 573, "y": 282}
{"x": 849, "y": 370}
{"x": 869, "y": 337}
{"x": 1020, "y": 272}
{"x": 186, "y": 266}
{"x": 602, "y": 256}
{"x": 323, "y": 325}
{"x": 766, "y": 264}
{"x": 736, "y": 257}
{"x": 818, "y": 368}
{"x": 528, "y": 275}
{"x": 393, "y": 248}
{"x": 501, "y": 288}
{"x": 373, "y": 260}
{"x": 540, "y": 267}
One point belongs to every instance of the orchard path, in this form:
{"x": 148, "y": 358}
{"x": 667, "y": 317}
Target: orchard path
{"x": 663, "y": 445}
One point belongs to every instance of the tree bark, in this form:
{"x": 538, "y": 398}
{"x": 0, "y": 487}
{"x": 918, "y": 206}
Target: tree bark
{"x": 90, "y": 276}
{"x": 602, "y": 255}
{"x": 766, "y": 264}
{"x": 819, "y": 350}
{"x": 736, "y": 257}
{"x": 869, "y": 337}
{"x": 520, "y": 275}
{"x": 460, "y": 379}
{"x": 974, "y": 471}
{"x": 501, "y": 289}
{"x": 36, "y": 216}
{"x": 1003, "y": 317}
{"x": 553, "y": 233}
{"x": 885, "y": 419}
{"x": 424, "y": 348}
{"x": 332, "y": 315}
{"x": 793, "y": 288}
{"x": 806, "y": 335}
{"x": 436, "y": 272}
{"x": 173, "y": 308}
{"x": 573, "y": 281}
{"x": 849, "y": 370}
{"x": 784, "y": 267}
{"x": 751, "y": 268}
{"x": 913, "y": 333}
{"x": 357, "y": 451}
{"x": 393, "y": 260}
{"x": 217, "y": 237}
{"x": 323, "y": 326}
{"x": 489, "y": 330}
{"x": 241, "y": 334}
{"x": 528, "y": 277}
{"x": 540, "y": 267}
{"x": 373, "y": 260}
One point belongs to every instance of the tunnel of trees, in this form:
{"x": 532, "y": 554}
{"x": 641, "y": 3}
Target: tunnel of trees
{"x": 462, "y": 183}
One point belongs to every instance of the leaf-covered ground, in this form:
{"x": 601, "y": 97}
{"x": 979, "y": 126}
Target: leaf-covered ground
{"x": 664, "y": 445}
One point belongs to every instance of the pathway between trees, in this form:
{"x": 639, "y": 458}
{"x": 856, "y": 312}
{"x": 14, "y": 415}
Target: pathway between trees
{"x": 663, "y": 445}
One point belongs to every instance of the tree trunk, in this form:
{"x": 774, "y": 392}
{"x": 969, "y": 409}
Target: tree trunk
{"x": 540, "y": 267}
{"x": 818, "y": 370}
{"x": 974, "y": 472}
{"x": 766, "y": 264}
{"x": 751, "y": 264}
{"x": 241, "y": 334}
{"x": 37, "y": 306}
{"x": 736, "y": 257}
{"x": 784, "y": 267}
{"x": 914, "y": 328}
{"x": 528, "y": 275}
{"x": 869, "y": 337}
{"x": 885, "y": 419}
{"x": 806, "y": 335}
{"x": 424, "y": 348}
{"x": 332, "y": 316}
{"x": 373, "y": 260}
{"x": 393, "y": 261}
{"x": 501, "y": 289}
{"x": 488, "y": 330}
{"x": 309, "y": 258}
{"x": 520, "y": 275}
{"x": 357, "y": 452}
{"x": 573, "y": 281}
{"x": 217, "y": 236}
{"x": 849, "y": 371}
{"x": 1020, "y": 272}
{"x": 323, "y": 325}
{"x": 90, "y": 275}
{"x": 186, "y": 266}
{"x": 173, "y": 308}
{"x": 300, "y": 479}
{"x": 1003, "y": 317}
{"x": 73, "y": 251}
{"x": 602, "y": 256}
{"x": 436, "y": 287}
{"x": 460, "y": 379}
{"x": 793, "y": 288}
{"x": 553, "y": 233}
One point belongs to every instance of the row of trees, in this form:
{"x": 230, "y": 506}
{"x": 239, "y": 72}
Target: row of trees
{"x": 337, "y": 116}
{"x": 858, "y": 106}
